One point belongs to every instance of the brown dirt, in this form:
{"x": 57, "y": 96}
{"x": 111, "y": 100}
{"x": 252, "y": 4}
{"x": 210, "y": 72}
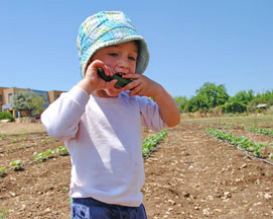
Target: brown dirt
{"x": 192, "y": 176}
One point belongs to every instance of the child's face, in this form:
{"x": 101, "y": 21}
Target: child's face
{"x": 120, "y": 58}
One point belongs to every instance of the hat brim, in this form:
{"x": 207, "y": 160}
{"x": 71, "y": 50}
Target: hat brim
{"x": 142, "y": 58}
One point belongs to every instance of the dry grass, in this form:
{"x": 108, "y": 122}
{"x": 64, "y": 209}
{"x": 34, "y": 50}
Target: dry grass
{"x": 21, "y": 128}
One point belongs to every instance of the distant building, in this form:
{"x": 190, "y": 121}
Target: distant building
{"x": 261, "y": 106}
{"x": 7, "y": 94}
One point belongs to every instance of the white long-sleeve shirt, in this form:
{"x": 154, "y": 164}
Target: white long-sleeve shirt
{"x": 103, "y": 136}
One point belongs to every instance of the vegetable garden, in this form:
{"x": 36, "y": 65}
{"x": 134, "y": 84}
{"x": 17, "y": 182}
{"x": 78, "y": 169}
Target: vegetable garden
{"x": 203, "y": 168}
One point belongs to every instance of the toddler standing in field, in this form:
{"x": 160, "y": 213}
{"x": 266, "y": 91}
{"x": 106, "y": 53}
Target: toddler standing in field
{"x": 101, "y": 124}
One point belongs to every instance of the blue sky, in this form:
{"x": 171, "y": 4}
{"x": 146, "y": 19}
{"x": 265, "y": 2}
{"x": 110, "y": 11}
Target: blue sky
{"x": 191, "y": 42}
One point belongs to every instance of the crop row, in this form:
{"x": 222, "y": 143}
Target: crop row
{"x": 37, "y": 157}
{"x": 149, "y": 145}
{"x": 262, "y": 131}
{"x": 259, "y": 150}
{"x": 12, "y": 148}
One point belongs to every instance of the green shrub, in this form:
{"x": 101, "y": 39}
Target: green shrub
{"x": 6, "y": 115}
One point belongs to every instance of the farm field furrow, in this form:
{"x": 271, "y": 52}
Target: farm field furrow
{"x": 192, "y": 175}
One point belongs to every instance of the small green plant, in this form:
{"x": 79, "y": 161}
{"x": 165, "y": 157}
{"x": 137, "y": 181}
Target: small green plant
{"x": 3, "y": 214}
{"x": 43, "y": 156}
{"x": 241, "y": 142}
{"x": 149, "y": 143}
{"x": 13, "y": 140}
{"x": 3, "y": 136}
{"x": 65, "y": 189}
{"x": 22, "y": 137}
{"x": 2, "y": 172}
{"x": 47, "y": 140}
{"x": 6, "y": 115}
{"x": 262, "y": 131}
{"x": 62, "y": 151}
{"x": 16, "y": 165}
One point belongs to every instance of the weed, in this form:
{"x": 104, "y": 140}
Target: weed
{"x": 22, "y": 137}
{"x": 3, "y": 214}
{"x": 13, "y": 140}
{"x": 3, "y": 136}
{"x": 16, "y": 165}
{"x": 2, "y": 172}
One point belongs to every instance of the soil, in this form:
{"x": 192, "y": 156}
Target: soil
{"x": 192, "y": 175}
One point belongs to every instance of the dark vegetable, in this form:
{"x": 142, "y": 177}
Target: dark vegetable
{"x": 121, "y": 82}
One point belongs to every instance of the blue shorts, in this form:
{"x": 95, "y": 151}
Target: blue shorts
{"x": 89, "y": 208}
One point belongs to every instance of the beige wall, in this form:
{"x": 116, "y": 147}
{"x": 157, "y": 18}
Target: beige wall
{"x": 5, "y": 92}
{"x": 53, "y": 95}
{"x": 2, "y": 95}
{"x": 12, "y": 91}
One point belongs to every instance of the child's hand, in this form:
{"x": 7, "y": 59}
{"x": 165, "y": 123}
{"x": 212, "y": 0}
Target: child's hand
{"x": 141, "y": 85}
{"x": 92, "y": 82}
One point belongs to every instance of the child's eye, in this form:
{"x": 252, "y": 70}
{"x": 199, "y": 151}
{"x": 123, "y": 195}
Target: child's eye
{"x": 132, "y": 58}
{"x": 113, "y": 54}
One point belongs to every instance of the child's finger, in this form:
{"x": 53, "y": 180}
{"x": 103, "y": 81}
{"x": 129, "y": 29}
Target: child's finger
{"x": 131, "y": 76}
{"x": 112, "y": 83}
{"x": 129, "y": 86}
{"x": 136, "y": 91}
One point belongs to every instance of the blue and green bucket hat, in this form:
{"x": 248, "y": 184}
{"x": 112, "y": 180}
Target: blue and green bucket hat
{"x": 109, "y": 28}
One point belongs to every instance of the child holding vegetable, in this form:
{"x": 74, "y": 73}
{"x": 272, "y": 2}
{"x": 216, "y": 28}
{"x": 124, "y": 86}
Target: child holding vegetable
{"x": 100, "y": 120}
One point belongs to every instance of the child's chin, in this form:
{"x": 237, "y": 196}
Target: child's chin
{"x": 113, "y": 92}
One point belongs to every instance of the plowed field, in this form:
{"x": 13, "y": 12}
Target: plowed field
{"x": 193, "y": 175}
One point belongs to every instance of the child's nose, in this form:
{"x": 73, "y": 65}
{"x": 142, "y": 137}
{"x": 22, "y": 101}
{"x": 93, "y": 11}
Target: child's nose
{"x": 123, "y": 66}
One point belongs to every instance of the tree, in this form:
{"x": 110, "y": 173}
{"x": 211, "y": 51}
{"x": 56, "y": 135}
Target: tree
{"x": 207, "y": 97}
{"x": 181, "y": 103}
{"x": 233, "y": 106}
{"x": 244, "y": 97}
{"x": 212, "y": 94}
{"x": 29, "y": 102}
{"x": 266, "y": 97}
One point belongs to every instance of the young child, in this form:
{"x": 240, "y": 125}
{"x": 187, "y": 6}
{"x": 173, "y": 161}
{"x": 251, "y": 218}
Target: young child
{"x": 101, "y": 124}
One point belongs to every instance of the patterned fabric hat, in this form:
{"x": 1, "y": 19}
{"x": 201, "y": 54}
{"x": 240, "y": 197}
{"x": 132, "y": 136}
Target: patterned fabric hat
{"x": 109, "y": 28}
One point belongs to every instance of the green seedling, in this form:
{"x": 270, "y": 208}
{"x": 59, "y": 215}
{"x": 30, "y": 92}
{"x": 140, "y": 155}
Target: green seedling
{"x": 40, "y": 157}
{"x": 241, "y": 142}
{"x": 16, "y": 165}
{"x": 262, "y": 131}
{"x": 149, "y": 143}
{"x": 22, "y": 137}
{"x": 47, "y": 140}
{"x": 62, "y": 150}
{"x": 2, "y": 172}
{"x": 13, "y": 140}
{"x": 3, "y": 136}
{"x": 3, "y": 214}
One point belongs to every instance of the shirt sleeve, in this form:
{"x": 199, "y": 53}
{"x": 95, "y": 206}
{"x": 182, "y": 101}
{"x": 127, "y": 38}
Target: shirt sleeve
{"x": 149, "y": 112}
{"x": 62, "y": 117}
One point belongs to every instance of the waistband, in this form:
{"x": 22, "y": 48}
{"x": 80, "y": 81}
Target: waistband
{"x": 96, "y": 203}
